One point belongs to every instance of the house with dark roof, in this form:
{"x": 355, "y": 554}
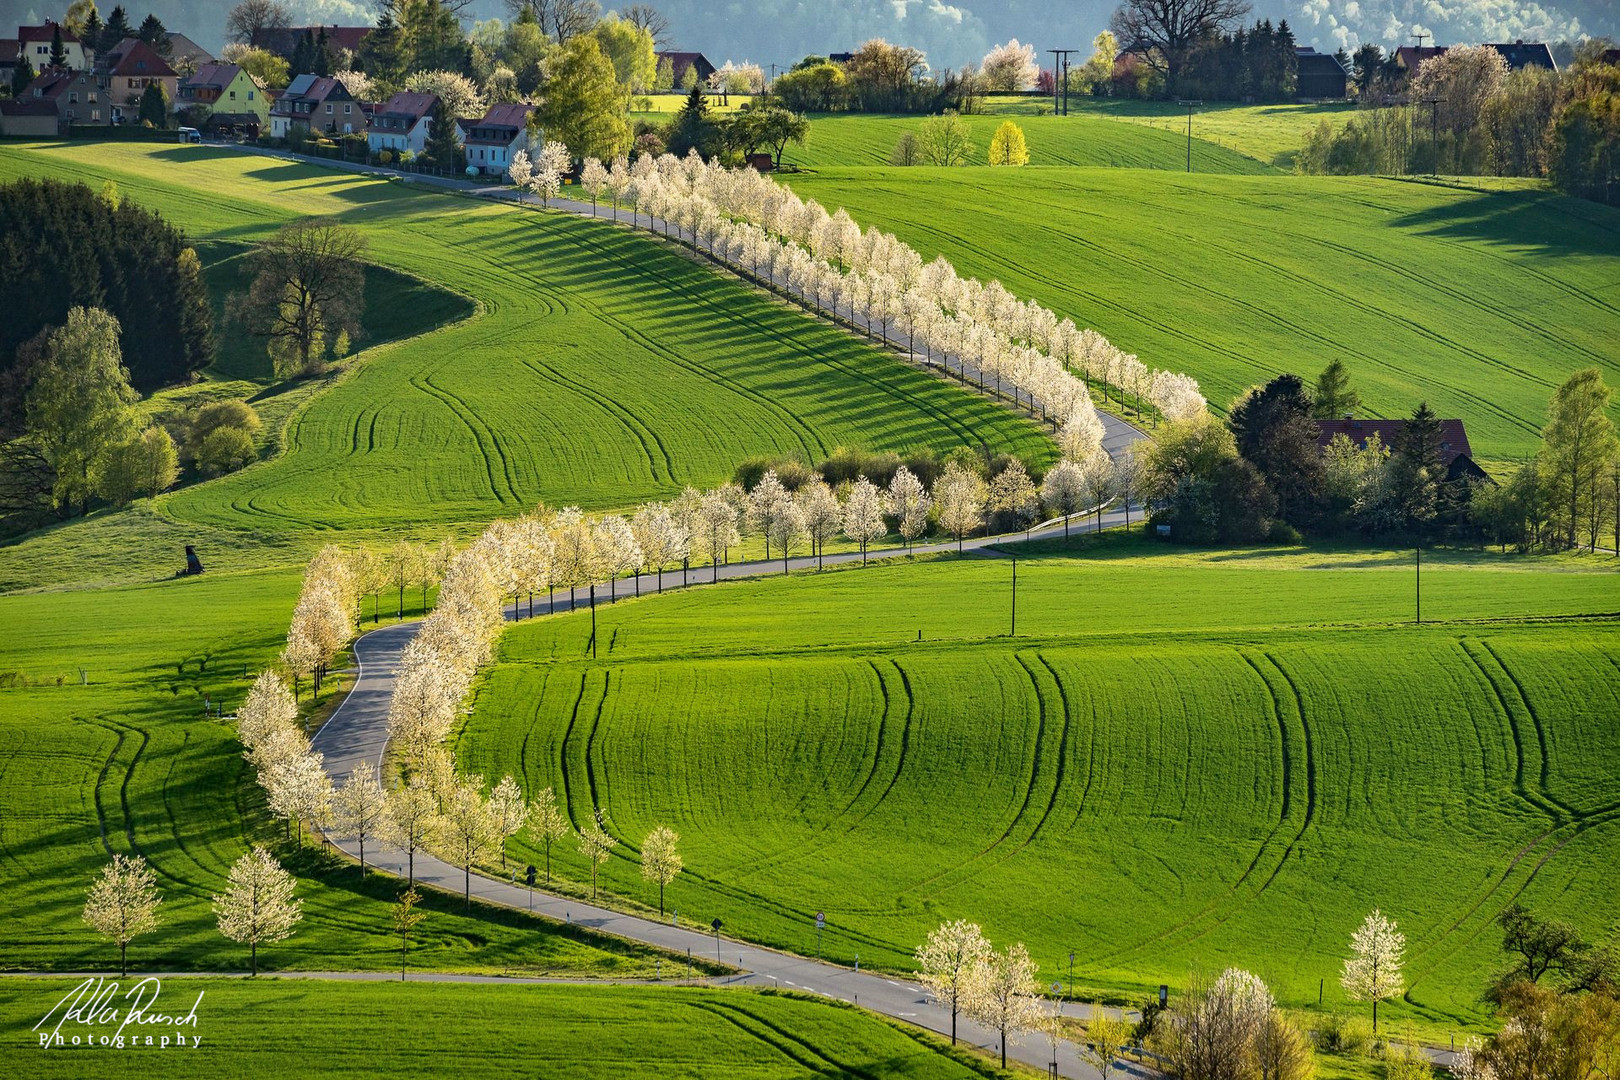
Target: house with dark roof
{"x": 26, "y": 117}
{"x": 492, "y": 139}
{"x": 34, "y": 43}
{"x": 1408, "y": 58}
{"x": 319, "y": 103}
{"x": 186, "y": 55}
{"x": 401, "y": 123}
{"x": 10, "y": 58}
{"x": 1610, "y": 56}
{"x": 234, "y": 100}
{"x": 283, "y": 40}
{"x": 1521, "y": 55}
{"x": 679, "y": 62}
{"x": 76, "y": 96}
{"x": 126, "y": 70}
{"x": 1455, "y": 453}
{"x": 1321, "y": 76}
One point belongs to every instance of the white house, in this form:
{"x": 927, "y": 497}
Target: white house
{"x": 34, "y": 45}
{"x": 402, "y": 123}
{"x": 496, "y": 136}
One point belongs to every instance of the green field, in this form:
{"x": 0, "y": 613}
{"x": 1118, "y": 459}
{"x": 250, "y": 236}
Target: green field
{"x": 126, "y": 762}
{"x": 1273, "y": 134}
{"x": 844, "y": 139}
{"x": 601, "y": 369}
{"x": 484, "y": 1031}
{"x": 1480, "y": 302}
{"x": 1183, "y": 760}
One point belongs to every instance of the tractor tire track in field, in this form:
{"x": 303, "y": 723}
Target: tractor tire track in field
{"x": 1221, "y": 908}
{"x": 562, "y": 750}
{"x": 489, "y": 446}
{"x": 1535, "y": 797}
{"x": 118, "y": 744}
{"x": 804, "y": 1056}
{"x": 1310, "y": 768}
{"x": 1543, "y": 780}
{"x": 1063, "y": 746}
{"x": 837, "y": 1067}
{"x": 627, "y": 419}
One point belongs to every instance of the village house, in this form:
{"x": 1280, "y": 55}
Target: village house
{"x": 1321, "y": 76}
{"x": 10, "y": 58}
{"x": 29, "y": 118}
{"x": 235, "y": 101}
{"x": 34, "y": 45}
{"x": 319, "y": 103}
{"x": 1455, "y": 454}
{"x": 185, "y": 55}
{"x": 401, "y": 123}
{"x": 679, "y": 62}
{"x": 492, "y": 139}
{"x": 76, "y": 96}
{"x": 126, "y": 70}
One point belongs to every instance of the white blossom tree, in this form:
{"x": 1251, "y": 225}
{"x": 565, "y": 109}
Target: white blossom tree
{"x": 258, "y": 906}
{"x": 909, "y": 503}
{"x": 549, "y": 169}
{"x": 1064, "y": 491}
{"x": 509, "y": 811}
{"x": 960, "y": 496}
{"x": 411, "y": 811}
{"x": 1010, "y": 68}
{"x": 1013, "y": 493}
{"x": 863, "y": 514}
{"x": 660, "y": 860}
{"x": 298, "y": 789}
{"x": 465, "y": 830}
{"x": 823, "y": 517}
{"x": 717, "y": 534}
{"x": 1372, "y": 971}
{"x": 946, "y": 963}
{"x": 1130, "y": 472}
{"x": 548, "y": 823}
{"x": 269, "y": 706}
{"x": 594, "y": 179}
{"x": 596, "y": 844}
{"x": 360, "y": 810}
{"x": 1003, "y": 995}
{"x": 1097, "y": 482}
{"x": 122, "y": 904}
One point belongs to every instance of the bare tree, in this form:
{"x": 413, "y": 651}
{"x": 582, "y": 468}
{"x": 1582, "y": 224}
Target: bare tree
{"x": 651, "y": 20}
{"x": 562, "y": 19}
{"x": 308, "y": 287}
{"x": 251, "y": 16}
{"x": 1171, "y": 29}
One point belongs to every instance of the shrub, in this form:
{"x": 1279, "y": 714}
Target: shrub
{"x": 1341, "y": 1033}
{"x": 206, "y": 419}
{"x": 224, "y": 450}
{"x": 1282, "y": 533}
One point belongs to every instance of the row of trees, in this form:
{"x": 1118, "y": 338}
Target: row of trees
{"x": 1466, "y": 113}
{"x": 880, "y": 285}
{"x": 257, "y": 907}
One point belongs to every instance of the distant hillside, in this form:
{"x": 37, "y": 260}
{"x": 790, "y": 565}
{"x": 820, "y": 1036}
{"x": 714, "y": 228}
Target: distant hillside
{"x": 955, "y": 32}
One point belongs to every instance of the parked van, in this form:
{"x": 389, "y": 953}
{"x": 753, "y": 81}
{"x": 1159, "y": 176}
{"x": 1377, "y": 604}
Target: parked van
{"x": 190, "y": 135}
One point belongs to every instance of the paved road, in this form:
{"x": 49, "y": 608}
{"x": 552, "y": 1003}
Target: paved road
{"x": 355, "y": 738}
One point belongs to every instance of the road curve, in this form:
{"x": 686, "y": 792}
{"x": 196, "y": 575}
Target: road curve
{"x": 355, "y": 739}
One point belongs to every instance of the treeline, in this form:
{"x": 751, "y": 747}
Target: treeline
{"x": 1253, "y": 64}
{"x": 1465, "y": 113}
{"x": 878, "y": 77}
{"x": 64, "y": 246}
{"x": 1262, "y": 474}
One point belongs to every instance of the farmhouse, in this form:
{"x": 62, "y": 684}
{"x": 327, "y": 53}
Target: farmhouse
{"x": 10, "y": 58}
{"x": 319, "y": 103}
{"x": 680, "y": 61}
{"x": 234, "y": 98}
{"x": 493, "y": 138}
{"x": 34, "y": 45}
{"x": 1520, "y": 55}
{"x": 401, "y": 123}
{"x": 1321, "y": 75}
{"x": 185, "y": 55}
{"x": 1455, "y": 453}
{"x": 1411, "y": 57}
{"x": 126, "y": 70}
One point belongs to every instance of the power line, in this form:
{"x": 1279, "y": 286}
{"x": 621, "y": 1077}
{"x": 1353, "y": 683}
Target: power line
{"x": 1190, "y": 106}
{"x": 1060, "y": 79}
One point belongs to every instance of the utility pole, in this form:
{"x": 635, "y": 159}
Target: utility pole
{"x": 1060, "y": 80}
{"x": 1419, "y": 585}
{"x": 1014, "y": 632}
{"x": 1434, "y": 104}
{"x": 1191, "y": 105}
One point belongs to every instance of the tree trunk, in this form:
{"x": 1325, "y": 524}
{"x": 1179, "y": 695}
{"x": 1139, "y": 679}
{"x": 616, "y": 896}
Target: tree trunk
{"x": 253, "y": 953}
{"x": 410, "y": 860}
{"x": 123, "y": 958}
{"x": 466, "y": 885}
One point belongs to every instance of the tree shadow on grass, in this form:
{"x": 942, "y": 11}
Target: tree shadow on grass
{"x": 1542, "y": 222}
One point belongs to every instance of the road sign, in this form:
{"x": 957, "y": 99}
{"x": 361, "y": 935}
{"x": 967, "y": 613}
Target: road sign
{"x": 821, "y": 920}
{"x": 715, "y": 926}
{"x": 529, "y": 876}
{"x": 1164, "y": 995}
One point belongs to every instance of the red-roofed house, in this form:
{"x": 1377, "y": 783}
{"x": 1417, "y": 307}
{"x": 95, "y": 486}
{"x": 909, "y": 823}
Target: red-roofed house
{"x": 319, "y": 103}
{"x": 35, "y": 45}
{"x": 10, "y": 58}
{"x": 401, "y": 123}
{"x": 492, "y": 139}
{"x": 680, "y": 61}
{"x": 29, "y": 118}
{"x": 1411, "y": 57}
{"x": 283, "y": 40}
{"x": 126, "y": 70}
{"x": 1455, "y": 453}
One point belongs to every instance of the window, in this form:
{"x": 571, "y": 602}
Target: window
{"x": 250, "y": 95}
{"x": 233, "y": 95}
{"x": 328, "y": 108}
{"x": 73, "y": 97}
{"x": 347, "y": 109}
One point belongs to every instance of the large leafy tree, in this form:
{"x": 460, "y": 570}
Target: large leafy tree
{"x": 1578, "y": 450}
{"x": 63, "y": 246}
{"x": 308, "y": 286}
{"x": 1173, "y": 29}
{"x": 585, "y": 102}
{"x": 79, "y": 404}
{"x": 1275, "y": 433}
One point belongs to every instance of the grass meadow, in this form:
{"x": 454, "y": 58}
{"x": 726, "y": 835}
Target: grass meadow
{"x": 364, "y": 1029}
{"x": 1481, "y": 302}
{"x": 1182, "y": 760}
{"x": 843, "y": 139}
{"x": 601, "y": 369}
{"x": 126, "y": 761}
